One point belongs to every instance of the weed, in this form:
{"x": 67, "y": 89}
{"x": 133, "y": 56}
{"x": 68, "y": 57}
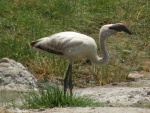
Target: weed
{"x": 54, "y": 97}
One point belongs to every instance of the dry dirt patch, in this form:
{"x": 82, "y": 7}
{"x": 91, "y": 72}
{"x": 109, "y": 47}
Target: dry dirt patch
{"x": 95, "y": 110}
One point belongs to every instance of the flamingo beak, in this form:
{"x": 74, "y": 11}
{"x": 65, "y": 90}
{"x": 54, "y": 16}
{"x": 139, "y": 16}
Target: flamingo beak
{"x": 120, "y": 27}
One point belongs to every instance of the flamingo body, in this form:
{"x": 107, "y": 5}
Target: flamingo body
{"x": 76, "y": 46}
{"x": 72, "y": 45}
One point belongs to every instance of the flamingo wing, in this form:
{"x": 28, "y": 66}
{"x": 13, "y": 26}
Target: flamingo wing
{"x": 57, "y": 43}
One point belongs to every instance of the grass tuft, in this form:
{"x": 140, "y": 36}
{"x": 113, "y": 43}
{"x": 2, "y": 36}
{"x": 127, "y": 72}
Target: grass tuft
{"x": 54, "y": 97}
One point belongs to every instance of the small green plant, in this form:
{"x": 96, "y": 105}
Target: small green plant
{"x": 49, "y": 97}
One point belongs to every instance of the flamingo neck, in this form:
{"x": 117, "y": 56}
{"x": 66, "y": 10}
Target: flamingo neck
{"x": 105, "y": 57}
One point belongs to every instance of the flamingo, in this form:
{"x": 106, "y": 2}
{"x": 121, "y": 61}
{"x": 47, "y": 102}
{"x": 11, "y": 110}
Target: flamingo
{"x": 76, "y": 46}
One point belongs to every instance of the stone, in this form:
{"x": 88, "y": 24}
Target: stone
{"x": 14, "y": 76}
{"x": 148, "y": 93}
{"x": 134, "y": 76}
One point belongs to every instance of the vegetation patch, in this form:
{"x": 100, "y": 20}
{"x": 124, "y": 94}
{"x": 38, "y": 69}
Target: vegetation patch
{"x": 54, "y": 97}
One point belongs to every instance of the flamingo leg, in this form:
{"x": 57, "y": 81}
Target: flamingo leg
{"x": 70, "y": 80}
{"x": 67, "y": 78}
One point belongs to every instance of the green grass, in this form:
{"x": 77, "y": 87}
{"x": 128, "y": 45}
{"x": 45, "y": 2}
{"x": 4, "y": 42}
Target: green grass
{"x": 53, "y": 97}
{"x": 45, "y": 97}
{"x": 22, "y": 21}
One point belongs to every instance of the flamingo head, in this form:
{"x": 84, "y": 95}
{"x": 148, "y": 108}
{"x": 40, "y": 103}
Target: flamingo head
{"x": 111, "y": 29}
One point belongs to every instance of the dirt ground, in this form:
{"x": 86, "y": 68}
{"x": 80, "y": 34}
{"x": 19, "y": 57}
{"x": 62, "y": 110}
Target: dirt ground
{"x": 129, "y": 93}
{"x": 96, "y": 110}
{"x": 83, "y": 110}
{"x": 121, "y": 97}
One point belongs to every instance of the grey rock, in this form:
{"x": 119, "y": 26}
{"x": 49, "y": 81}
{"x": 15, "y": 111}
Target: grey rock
{"x": 14, "y": 76}
{"x": 148, "y": 93}
{"x": 135, "y": 75}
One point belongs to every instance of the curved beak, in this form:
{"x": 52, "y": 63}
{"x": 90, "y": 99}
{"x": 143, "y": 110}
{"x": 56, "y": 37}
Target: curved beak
{"x": 120, "y": 27}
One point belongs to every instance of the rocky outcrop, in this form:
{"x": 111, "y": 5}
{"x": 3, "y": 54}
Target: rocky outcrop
{"x": 14, "y": 76}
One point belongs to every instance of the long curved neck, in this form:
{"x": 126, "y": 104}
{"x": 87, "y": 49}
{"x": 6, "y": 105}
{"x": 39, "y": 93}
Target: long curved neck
{"x": 105, "y": 57}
